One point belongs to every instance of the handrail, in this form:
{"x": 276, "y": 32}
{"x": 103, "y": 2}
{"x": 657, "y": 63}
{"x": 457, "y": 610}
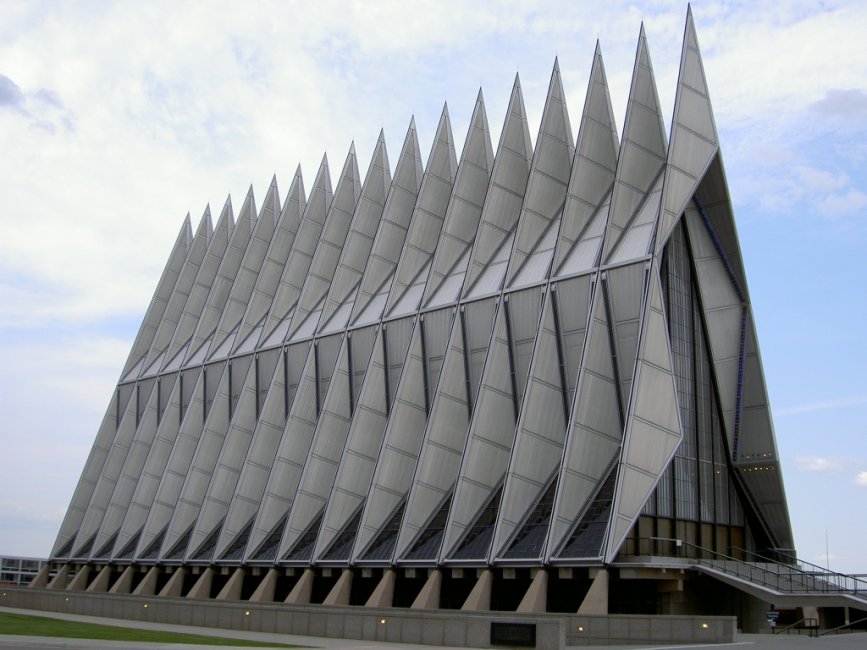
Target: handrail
{"x": 782, "y": 577}
{"x": 812, "y": 630}
{"x": 858, "y": 585}
{"x": 836, "y": 630}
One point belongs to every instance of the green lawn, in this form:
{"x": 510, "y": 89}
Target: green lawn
{"x": 22, "y": 625}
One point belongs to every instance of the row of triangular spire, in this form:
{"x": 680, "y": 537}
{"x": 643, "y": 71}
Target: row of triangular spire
{"x": 376, "y": 260}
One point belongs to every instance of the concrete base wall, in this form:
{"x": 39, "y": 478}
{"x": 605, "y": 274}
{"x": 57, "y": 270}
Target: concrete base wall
{"x": 430, "y": 627}
{"x": 627, "y": 629}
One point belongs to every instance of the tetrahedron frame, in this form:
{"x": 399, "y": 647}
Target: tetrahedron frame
{"x": 530, "y": 357}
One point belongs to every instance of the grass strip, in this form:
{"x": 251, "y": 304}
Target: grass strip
{"x": 24, "y": 625}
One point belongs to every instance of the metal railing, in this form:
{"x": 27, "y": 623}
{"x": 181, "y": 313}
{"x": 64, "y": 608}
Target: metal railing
{"x": 810, "y": 625}
{"x": 847, "y": 627}
{"x": 760, "y": 570}
{"x": 836, "y": 582}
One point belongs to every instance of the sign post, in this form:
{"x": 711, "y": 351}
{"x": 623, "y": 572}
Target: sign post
{"x": 772, "y": 616}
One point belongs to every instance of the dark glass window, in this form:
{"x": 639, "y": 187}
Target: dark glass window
{"x": 239, "y": 544}
{"x": 179, "y": 549}
{"x": 530, "y": 540}
{"x": 106, "y": 549}
{"x": 268, "y": 549}
{"x": 127, "y": 551}
{"x": 153, "y": 549}
{"x": 303, "y": 548}
{"x": 586, "y": 538}
{"x": 65, "y": 550}
{"x": 477, "y": 541}
{"x": 341, "y": 547}
{"x": 206, "y": 548}
{"x": 427, "y": 545}
{"x": 382, "y": 545}
{"x": 85, "y": 549}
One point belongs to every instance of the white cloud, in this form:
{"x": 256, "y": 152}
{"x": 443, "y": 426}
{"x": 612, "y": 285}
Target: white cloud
{"x": 840, "y": 204}
{"x": 844, "y": 402}
{"x": 136, "y": 113}
{"x": 849, "y": 104}
{"x": 818, "y": 464}
{"x": 861, "y": 479}
{"x": 177, "y": 105}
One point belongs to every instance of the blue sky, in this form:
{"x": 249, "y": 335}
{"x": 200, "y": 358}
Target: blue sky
{"x": 118, "y": 118}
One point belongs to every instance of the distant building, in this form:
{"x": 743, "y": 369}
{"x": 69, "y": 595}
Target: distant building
{"x": 19, "y": 570}
{"x": 528, "y": 380}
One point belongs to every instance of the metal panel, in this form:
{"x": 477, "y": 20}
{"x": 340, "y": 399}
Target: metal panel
{"x": 140, "y": 349}
{"x": 366, "y": 222}
{"x": 329, "y": 440}
{"x": 148, "y": 435}
{"x": 595, "y": 427}
{"x": 249, "y": 271}
{"x": 592, "y": 170}
{"x": 199, "y": 467}
{"x": 546, "y": 187}
{"x": 624, "y": 293}
{"x": 541, "y": 429}
{"x": 364, "y": 440}
{"x": 179, "y": 348}
{"x": 275, "y": 260}
{"x": 294, "y": 440}
{"x": 694, "y": 140}
{"x": 653, "y": 428}
{"x": 584, "y": 255}
{"x": 226, "y": 274}
{"x": 156, "y": 309}
{"x": 506, "y": 191}
{"x": 346, "y": 208}
{"x": 537, "y": 265}
{"x": 426, "y": 223}
{"x": 402, "y": 441}
{"x": 121, "y": 477}
{"x": 106, "y": 479}
{"x": 573, "y": 299}
{"x": 642, "y": 151}
{"x": 490, "y": 280}
{"x": 392, "y": 233}
{"x": 492, "y": 431}
{"x": 228, "y": 464}
{"x": 448, "y": 424}
{"x": 180, "y": 293}
{"x": 465, "y": 207}
{"x": 246, "y": 496}
{"x": 636, "y": 240}
{"x": 135, "y": 512}
{"x": 282, "y": 305}
{"x": 165, "y": 486}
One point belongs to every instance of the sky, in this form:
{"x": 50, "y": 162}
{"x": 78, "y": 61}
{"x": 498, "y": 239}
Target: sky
{"x": 119, "y": 118}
